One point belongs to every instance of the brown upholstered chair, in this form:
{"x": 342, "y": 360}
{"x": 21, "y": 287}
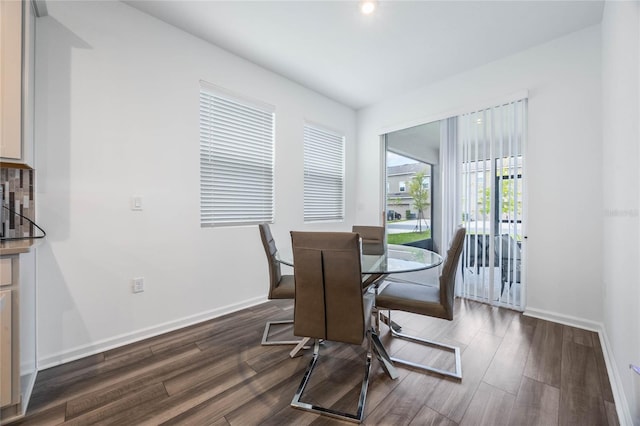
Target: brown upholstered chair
{"x": 432, "y": 300}
{"x": 372, "y": 238}
{"x": 280, "y": 286}
{"x": 329, "y": 303}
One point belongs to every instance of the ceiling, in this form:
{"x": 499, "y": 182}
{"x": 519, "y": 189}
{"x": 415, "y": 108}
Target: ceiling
{"x": 357, "y": 60}
{"x": 420, "y": 143}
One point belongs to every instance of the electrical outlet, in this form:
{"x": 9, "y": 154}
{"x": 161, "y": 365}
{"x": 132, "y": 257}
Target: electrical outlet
{"x": 138, "y": 285}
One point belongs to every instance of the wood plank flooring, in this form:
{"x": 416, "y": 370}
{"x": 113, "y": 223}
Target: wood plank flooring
{"x": 517, "y": 370}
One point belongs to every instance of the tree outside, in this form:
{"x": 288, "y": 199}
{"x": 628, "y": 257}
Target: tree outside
{"x": 508, "y": 199}
{"x": 421, "y": 197}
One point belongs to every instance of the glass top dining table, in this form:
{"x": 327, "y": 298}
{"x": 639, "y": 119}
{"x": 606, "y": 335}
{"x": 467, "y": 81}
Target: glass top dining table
{"x": 395, "y": 259}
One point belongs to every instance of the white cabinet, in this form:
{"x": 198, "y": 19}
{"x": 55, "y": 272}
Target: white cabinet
{"x": 6, "y": 361}
{"x": 17, "y": 37}
{"x": 6, "y": 271}
{"x": 9, "y": 388}
{"x": 11, "y": 79}
{"x": 17, "y": 333}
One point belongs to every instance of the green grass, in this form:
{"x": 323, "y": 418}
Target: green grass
{"x": 408, "y": 237}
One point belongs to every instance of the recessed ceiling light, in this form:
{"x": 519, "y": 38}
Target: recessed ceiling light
{"x": 367, "y": 6}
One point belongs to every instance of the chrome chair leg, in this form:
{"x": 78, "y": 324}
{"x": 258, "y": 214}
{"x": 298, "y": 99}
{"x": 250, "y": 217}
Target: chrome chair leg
{"x": 383, "y": 357}
{"x": 265, "y": 335}
{"x": 457, "y": 374}
{"x": 392, "y": 324}
{"x": 359, "y": 414}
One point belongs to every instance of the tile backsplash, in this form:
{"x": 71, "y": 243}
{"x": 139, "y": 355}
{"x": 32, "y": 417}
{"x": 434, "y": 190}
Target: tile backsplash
{"x": 17, "y": 187}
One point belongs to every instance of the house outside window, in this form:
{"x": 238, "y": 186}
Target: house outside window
{"x": 399, "y": 198}
{"x": 426, "y": 183}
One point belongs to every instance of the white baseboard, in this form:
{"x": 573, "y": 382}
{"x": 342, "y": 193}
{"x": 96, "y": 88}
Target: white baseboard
{"x": 564, "y": 319}
{"x": 619, "y": 398}
{"x": 127, "y": 338}
{"x": 622, "y": 406}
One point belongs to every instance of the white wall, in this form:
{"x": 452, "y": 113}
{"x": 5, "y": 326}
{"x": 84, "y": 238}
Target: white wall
{"x": 621, "y": 181}
{"x": 563, "y": 161}
{"x": 117, "y": 115}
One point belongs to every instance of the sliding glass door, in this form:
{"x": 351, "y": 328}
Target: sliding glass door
{"x": 409, "y": 202}
{"x": 491, "y": 161}
{"x": 411, "y": 179}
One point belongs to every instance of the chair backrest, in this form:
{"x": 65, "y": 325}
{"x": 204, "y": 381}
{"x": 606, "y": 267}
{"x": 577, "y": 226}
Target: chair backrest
{"x": 328, "y": 303}
{"x": 448, "y": 274}
{"x": 270, "y": 249}
{"x": 372, "y": 238}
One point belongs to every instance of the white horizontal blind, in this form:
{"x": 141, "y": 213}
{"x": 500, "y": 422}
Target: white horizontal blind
{"x": 236, "y": 161}
{"x": 323, "y": 175}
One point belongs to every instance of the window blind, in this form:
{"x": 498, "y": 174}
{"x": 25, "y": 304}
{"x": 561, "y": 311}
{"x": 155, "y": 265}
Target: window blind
{"x": 323, "y": 175}
{"x": 492, "y": 162}
{"x": 236, "y": 161}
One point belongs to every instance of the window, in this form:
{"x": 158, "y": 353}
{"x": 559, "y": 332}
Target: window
{"x": 323, "y": 175}
{"x": 403, "y": 187}
{"x": 236, "y": 159}
{"x": 425, "y": 183}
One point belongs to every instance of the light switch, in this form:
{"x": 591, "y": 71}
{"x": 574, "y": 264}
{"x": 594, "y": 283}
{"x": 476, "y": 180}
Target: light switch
{"x": 136, "y": 202}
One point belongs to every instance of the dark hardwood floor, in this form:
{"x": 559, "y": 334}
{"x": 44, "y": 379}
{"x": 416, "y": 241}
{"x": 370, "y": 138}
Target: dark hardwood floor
{"x": 517, "y": 370}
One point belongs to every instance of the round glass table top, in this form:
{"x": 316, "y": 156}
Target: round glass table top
{"x": 395, "y": 259}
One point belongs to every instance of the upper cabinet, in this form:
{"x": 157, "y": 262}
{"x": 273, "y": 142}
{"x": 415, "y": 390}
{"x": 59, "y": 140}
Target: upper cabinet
{"x": 17, "y": 37}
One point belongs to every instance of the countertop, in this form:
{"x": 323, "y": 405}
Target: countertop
{"x": 17, "y": 246}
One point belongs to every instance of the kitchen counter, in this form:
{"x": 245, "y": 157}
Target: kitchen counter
{"x": 17, "y": 246}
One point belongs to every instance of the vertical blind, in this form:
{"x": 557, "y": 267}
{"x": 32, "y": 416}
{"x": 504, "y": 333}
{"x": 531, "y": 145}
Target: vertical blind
{"x": 236, "y": 160}
{"x": 492, "y": 168}
{"x": 323, "y": 175}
